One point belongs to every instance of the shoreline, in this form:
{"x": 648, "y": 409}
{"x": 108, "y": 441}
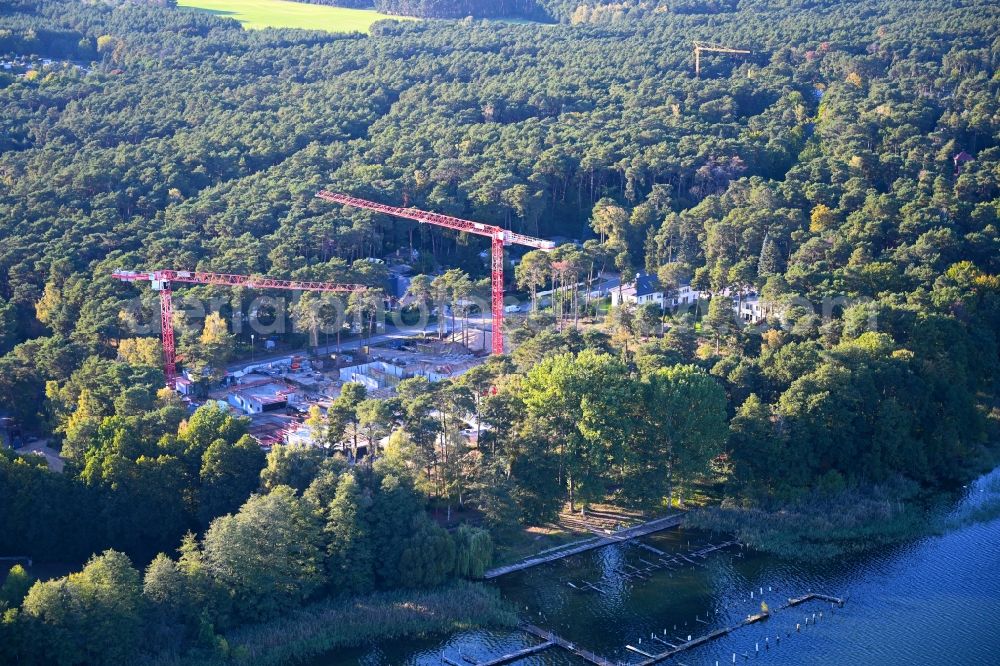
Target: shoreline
{"x": 324, "y": 626}
{"x": 852, "y": 521}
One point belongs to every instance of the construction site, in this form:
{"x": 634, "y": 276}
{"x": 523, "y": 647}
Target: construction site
{"x": 277, "y": 392}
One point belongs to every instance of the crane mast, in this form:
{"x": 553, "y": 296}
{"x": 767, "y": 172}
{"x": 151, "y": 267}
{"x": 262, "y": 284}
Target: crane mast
{"x": 498, "y": 236}
{"x": 162, "y": 281}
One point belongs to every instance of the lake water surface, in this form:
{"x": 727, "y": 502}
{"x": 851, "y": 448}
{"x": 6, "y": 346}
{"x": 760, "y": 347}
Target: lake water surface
{"x": 933, "y": 601}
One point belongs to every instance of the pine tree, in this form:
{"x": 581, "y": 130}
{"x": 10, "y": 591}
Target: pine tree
{"x": 769, "y": 262}
{"x": 349, "y": 562}
{"x": 720, "y": 320}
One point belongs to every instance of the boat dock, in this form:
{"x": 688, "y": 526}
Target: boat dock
{"x": 718, "y": 633}
{"x": 813, "y": 596}
{"x": 627, "y": 534}
{"x": 548, "y": 636}
{"x": 694, "y": 642}
{"x": 520, "y": 654}
{"x": 667, "y": 561}
{"x": 550, "y": 639}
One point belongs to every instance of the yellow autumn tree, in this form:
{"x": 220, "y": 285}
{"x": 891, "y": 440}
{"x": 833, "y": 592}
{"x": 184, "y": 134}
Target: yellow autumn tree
{"x": 140, "y": 351}
{"x": 206, "y": 355}
{"x": 49, "y": 306}
{"x": 82, "y": 425}
{"x": 106, "y": 43}
{"x": 822, "y": 218}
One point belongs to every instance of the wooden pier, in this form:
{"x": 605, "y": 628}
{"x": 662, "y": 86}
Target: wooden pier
{"x": 548, "y": 636}
{"x": 668, "y": 561}
{"x": 550, "y": 639}
{"x": 718, "y": 633}
{"x": 813, "y": 596}
{"x": 638, "y": 651}
{"x": 620, "y": 536}
{"x": 587, "y": 586}
{"x": 653, "y": 550}
{"x": 700, "y": 640}
{"x": 520, "y": 654}
{"x": 664, "y": 561}
{"x": 646, "y": 569}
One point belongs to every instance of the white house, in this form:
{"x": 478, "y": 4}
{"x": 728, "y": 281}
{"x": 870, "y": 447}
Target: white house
{"x": 260, "y": 398}
{"x": 645, "y": 289}
{"x": 750, "y": 309}
{"x": 684, "y": 295}
{"x": 183, "y": 385}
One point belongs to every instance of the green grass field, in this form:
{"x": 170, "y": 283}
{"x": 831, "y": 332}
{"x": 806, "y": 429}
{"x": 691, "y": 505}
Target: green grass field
{"x": 283, "y": 14}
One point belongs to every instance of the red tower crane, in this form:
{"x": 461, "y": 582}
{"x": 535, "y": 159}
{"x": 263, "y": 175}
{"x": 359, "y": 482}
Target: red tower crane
{"x": 162, "y": 281}
{"x": 499, "y": 237}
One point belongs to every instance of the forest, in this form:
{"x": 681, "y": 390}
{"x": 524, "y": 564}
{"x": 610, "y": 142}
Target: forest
{"x": 564, "y": 11}
{"x": 847, "y": 171}
{"x": 540, "y": 10}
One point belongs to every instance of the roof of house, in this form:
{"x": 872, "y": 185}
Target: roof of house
{"x": 270, "y": 428}
{"x": 646, "y": 284}
{"x": 271, "y": 393}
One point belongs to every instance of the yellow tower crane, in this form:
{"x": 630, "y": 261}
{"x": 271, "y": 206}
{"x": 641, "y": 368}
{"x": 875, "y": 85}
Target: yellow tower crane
{"x": 714, "y": 48}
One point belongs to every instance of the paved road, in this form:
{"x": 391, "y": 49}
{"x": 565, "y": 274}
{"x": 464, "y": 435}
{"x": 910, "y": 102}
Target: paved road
{"x": 41, "y": 448}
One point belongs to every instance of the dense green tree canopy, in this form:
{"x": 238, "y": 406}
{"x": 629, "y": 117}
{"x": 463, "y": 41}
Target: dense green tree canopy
{"x": 845, "y": 173}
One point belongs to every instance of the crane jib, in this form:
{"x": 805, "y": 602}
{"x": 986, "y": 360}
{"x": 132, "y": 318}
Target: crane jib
{"x": 499, "y": 237}
{"x": 161, "y": 281}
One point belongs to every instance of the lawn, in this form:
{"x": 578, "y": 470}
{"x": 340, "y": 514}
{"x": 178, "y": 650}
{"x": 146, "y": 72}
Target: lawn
{"x": 283, "y": 14}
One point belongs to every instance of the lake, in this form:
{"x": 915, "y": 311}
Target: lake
{"x": 935, "y": 600}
